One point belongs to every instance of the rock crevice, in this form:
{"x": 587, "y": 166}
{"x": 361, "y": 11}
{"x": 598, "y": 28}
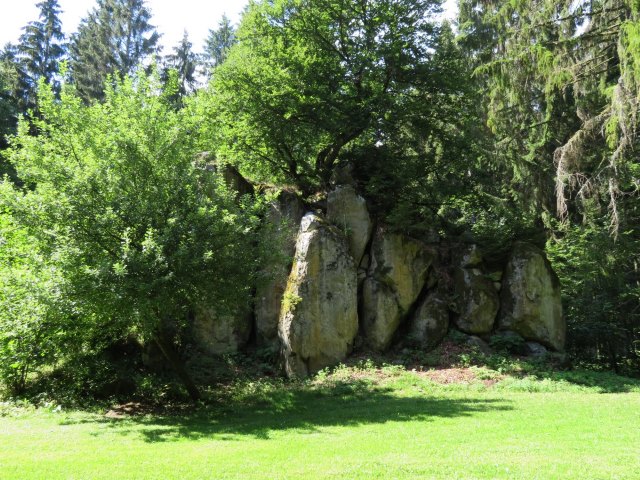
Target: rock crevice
{"x": 340, "y": 277}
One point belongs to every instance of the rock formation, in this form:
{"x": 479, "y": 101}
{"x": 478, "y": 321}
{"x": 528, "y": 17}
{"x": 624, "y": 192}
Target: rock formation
{"x": 430, "y": 321}
{"x": 470, "y": 257}
{"x": 348, "y": 210}
{"x": 283, "y": 221}
{"x": 397, "y": 275}
{"x": 325, "y": 268}
{"x": 319, "y": 315}
{"x": 530, "y": 299}
{"x": 476, "y": 301}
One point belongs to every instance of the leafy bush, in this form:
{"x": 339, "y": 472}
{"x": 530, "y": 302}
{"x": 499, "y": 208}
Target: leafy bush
{"x": 32, "y": 327}
{"x": 138, "y": 228}
{"x": 507, "y": 342}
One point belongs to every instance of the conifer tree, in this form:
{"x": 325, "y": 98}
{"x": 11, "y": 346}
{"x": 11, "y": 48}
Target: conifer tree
{"x": 13, "y": 92}
{"x": 41, "y": 48}
{"x": 218, "y": 43}
{"x": 563, "y": 82}
{"x": 22, "y": 66}
{"x": 8, "y": 112}
{"x": 184, "y": 62}
{"x": 113, "y": 39}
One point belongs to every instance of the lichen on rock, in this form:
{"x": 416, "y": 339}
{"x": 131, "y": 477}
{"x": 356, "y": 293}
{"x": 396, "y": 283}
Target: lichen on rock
{"x": 348, "y": 210}
{"x": 531, "y": 302}
{"x": 430, "y": 321}
{"x": 319, "y": 319}
{"x": 476, "y": 301}
{"x": 397, "y": 275}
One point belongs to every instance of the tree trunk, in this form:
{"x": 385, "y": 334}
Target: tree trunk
{"x": 178, "y": 367}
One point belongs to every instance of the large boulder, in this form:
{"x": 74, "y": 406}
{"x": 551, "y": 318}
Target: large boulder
{"x": 319, "y": 314}
{"x": 397, "y": 274}
{"x": 381, "y": 313}
{"x": 430, "y": 321}
{"x": 476, "y": 301}
{"x": 530, "y": 297}
{"x": 348, "y": 210}
{"x": 221, "y": 333}
{"x": 283, "y": 221}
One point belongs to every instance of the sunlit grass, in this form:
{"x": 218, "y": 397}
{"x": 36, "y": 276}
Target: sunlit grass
{"x": 353, "y": 423}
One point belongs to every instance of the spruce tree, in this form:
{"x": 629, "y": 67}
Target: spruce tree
{"x": 218, "y": 43}
{"x": 563, "y": 82}
{"x": 41, "y": 48}
{"x": 184, "y": 62}
{"x": 113, "y": 39}
{"x": 13, "y": 91}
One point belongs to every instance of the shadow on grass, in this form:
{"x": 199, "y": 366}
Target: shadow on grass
{"x": 603, "y": 382}
{"x": 301, "y": 408}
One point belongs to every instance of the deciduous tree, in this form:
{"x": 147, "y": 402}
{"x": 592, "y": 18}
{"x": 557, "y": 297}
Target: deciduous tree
{"x": 308, "y": 78}
{"x": 141, "y": 233}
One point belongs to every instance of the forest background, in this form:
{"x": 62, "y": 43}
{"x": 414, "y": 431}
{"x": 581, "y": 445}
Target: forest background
{"x": 516, "y": 121}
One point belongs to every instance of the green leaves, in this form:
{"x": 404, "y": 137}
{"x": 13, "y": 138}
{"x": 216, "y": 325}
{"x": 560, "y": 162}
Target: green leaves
{"x": 135, "y": 229}
{"x": 30, "y": 298}
{"x": 563, "y": 79}
{"x": 307, "y": 79}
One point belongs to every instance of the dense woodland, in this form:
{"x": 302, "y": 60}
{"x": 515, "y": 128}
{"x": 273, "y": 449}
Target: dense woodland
{"x": 518, "y": 121}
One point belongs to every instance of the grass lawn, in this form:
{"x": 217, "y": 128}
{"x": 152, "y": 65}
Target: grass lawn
{"x": 370, "y": 423}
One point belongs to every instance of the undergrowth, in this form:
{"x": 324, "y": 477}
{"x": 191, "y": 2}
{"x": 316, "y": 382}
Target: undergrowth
{"x": 254, "y": 380}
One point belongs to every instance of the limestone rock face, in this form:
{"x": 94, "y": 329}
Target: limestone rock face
{"x": 530, "y": 295}
{"x": 348, "y": 210}
{"x": 397, "y": 275}
{"x": 218, "y": 334}
{"x": 476, "y": 302}
{"x": 430, "y": 322}
{"x": 283, "y": 216}
{"x": 319, "y": 314}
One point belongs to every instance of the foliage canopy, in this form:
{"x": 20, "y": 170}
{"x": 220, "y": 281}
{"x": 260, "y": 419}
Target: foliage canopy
{"x": 306, "y": 79}
{"x": 117, "y": 200}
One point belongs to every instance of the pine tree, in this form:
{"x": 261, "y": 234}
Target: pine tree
{"x": 184, "y": 62}
{"x": 41, "y": 48}
{"x": 113, "y": 39}
{"x": 13, "y": 91}
{"x": 218, "y": 43}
